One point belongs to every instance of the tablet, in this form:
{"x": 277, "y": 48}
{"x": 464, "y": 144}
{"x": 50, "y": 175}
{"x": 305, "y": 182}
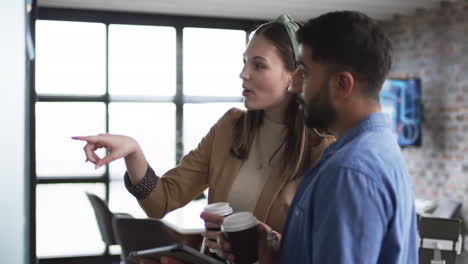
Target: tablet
{"x": 180, "y": 252}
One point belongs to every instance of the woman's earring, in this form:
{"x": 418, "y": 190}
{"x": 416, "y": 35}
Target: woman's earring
{"x": 290, "y": 89}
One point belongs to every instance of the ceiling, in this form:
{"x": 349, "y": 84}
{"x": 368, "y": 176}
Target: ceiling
{"x": 301, "y": 10}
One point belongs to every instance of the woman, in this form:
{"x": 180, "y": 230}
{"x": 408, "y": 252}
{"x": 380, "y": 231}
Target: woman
{"x": 252, "y": 159}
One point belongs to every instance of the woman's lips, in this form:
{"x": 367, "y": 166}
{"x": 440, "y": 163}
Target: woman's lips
{"x": 246, "y": 92}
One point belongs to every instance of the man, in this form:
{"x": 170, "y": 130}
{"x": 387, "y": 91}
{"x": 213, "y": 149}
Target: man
{"x": 356, "y": 205}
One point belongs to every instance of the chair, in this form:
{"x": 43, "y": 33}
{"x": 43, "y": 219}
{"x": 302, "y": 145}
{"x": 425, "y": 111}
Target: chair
{"x": 138, "y": 234}
{"x": 104, "y": 218}
{"x": 447, "y": 209}
{"x": 440, "y": 240}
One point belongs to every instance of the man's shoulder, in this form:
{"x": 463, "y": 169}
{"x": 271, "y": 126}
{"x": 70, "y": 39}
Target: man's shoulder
{"x": 371, "y": 157}
{"x": 370, "y": 151}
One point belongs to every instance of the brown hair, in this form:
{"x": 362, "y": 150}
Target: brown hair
{"x": 298, "y": 139}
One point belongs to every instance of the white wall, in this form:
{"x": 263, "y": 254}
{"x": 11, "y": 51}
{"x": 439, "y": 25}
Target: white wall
{"x": 13, "y": 174}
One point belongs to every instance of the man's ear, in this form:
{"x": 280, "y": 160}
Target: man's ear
{"x": 296, "y": 82}
{"x": 342, "y": 84}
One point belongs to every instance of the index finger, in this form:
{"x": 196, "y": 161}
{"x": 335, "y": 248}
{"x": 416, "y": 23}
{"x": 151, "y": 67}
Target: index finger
{"x": 263, "y": 228}
{"x": 213, "y": 218}
{"x": 91, "y": 139}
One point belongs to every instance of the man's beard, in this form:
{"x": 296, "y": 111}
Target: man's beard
{"x": 318, "y": 112}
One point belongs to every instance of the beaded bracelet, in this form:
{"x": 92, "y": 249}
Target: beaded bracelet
{"x": 142, "y": 189}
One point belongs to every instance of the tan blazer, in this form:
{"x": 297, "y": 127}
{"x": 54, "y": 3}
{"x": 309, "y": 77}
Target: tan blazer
{"x": 212, "y": 166}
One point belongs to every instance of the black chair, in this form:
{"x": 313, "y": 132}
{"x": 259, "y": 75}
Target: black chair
{"x": 135, "y": 234}
{"x": 447, "y": 209}
{"x": 104, "y": 218}
{"x": 440, "y": 240}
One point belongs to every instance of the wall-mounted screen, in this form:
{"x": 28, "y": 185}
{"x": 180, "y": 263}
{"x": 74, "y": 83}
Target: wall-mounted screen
{"x": 401, "y": 99}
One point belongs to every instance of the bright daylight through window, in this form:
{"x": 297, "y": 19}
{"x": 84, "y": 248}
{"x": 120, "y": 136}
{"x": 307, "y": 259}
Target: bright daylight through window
{"x": 95, "y": 78}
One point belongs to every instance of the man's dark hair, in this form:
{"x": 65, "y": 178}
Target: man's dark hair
{"x": 351, "y": 41}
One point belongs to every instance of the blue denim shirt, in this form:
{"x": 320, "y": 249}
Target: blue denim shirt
{"x": 356, "y": 206}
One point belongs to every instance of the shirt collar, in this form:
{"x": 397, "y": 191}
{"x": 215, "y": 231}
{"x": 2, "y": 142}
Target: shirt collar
{"x": 374, "y": 121}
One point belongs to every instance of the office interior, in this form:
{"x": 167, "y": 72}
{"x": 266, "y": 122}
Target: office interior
{"x": 85, "y": 67}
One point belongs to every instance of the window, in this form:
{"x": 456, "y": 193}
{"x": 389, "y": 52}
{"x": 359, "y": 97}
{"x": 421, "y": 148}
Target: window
{"x": 199, "y": 118}
{"x": 142, "y": 60}
{"x": 213, "y": 61}
{"x": 165, "y": 84}
{"x": 71, "y": 57}
{"x": 56, "y": 154}
{"x": 65, "y": 221}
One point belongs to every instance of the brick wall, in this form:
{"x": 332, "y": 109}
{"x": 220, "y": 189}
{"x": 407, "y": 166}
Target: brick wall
{"x": 433, "y": 45}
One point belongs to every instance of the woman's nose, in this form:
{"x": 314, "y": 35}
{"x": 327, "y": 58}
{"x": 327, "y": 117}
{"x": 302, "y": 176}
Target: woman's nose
{"x": 244, "y": 75}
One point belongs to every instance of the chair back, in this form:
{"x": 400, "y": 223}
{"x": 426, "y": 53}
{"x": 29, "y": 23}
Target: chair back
{"x": 440, "y": 239}
{"x": 138, "y": 234}
{"x": 447, "y": 209}
{"x": 104, "y": 219}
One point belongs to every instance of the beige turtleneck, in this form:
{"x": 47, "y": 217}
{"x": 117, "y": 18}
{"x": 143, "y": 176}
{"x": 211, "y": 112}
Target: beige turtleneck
{"x": 255, "y": 171}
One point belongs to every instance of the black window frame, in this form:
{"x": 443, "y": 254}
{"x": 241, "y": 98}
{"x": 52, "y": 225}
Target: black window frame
{"x": 179, "y": 22}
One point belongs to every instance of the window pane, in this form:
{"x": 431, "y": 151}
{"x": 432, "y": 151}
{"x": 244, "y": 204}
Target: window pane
{"x": 66, "y": 224}
{"x": 195, "y": 128}
{"x": 57, "y": 155}
{"x": 142, "y": 60}
{"x": 121, "y": 201}
{"x": 71, "y": 57}
{"x": 213, "y": 61}
{"x": 152, "y": 125}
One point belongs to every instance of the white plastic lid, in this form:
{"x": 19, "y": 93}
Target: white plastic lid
{"x": 218, "y": 208}
{"x": 239, "y": 221}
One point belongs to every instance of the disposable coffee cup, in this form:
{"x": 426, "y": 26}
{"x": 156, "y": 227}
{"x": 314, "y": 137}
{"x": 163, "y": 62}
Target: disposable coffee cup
{"x": 240, "y": 229}
{"x": 222, "y": 209}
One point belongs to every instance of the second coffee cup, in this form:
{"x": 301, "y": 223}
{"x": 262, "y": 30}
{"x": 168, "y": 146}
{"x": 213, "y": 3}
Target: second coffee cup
{"x": 222, "y": 209}
{"x": 240, "y": 229}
